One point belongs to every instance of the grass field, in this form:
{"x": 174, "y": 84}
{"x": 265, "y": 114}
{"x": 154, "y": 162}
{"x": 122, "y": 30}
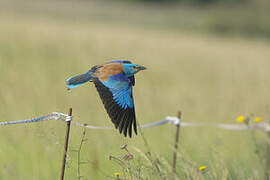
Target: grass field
{"x": 208, "y": 78}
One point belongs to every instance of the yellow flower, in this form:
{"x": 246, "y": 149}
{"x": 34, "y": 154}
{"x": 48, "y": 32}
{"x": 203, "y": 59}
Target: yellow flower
{"x": 117, "y": 174}
{"x": 240, "y": 119}
{"x": 202, "y": 168}
{"x": 258, "y": 119}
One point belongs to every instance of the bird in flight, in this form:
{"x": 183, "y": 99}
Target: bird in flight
{"x": 113, "y": 81}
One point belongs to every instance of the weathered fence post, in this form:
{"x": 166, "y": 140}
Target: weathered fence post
{"x": 176, "y": 145}
{"x": 66, "y": 145}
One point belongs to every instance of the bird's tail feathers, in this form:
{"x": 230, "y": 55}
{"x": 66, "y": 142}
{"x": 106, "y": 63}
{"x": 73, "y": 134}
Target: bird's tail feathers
{"x": 76, "y": 81}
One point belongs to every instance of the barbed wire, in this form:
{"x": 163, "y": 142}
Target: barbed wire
{"x": 52, "y": 116}
{"x": 168, "y": 120}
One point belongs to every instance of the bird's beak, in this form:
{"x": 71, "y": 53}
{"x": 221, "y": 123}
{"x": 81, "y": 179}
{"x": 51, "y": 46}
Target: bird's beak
{"x": 141, "y": 68}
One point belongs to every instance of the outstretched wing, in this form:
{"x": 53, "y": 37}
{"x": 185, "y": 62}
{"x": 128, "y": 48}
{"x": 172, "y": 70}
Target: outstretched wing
{"x": 116, "y": 95}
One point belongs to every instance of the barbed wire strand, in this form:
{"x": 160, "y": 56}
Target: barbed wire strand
{"x": 48, "y": 117}
{"x": 168, "y": 120}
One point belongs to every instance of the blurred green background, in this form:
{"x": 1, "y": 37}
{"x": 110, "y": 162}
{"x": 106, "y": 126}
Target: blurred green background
{"x": 208, "y": 58}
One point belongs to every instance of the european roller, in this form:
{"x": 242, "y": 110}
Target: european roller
{"x": 113, "y": 81}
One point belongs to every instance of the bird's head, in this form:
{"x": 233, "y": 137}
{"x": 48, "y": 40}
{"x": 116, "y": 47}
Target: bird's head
{"x": 131, "y": 69}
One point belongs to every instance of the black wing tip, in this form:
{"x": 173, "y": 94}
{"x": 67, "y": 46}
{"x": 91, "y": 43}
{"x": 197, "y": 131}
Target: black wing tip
{"x": 123, "y": 119}
{"x": 130, "y": 131}
{"x": 125, "y": 127}
{"x": 127, "y": 131}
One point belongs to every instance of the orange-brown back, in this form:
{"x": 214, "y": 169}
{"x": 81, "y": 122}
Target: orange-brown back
{"x": 109, "y": 69}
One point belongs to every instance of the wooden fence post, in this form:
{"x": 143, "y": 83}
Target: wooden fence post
{"x": 66, "y": 146}
{"x": 176, "y": 145}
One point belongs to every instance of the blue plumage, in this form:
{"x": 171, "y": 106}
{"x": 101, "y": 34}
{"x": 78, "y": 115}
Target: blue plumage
{"x": 121, "y": 61}
{"x": 114, "y": 83}
{"x": 78, "y": 80}
{"x": 121, "y": 88}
